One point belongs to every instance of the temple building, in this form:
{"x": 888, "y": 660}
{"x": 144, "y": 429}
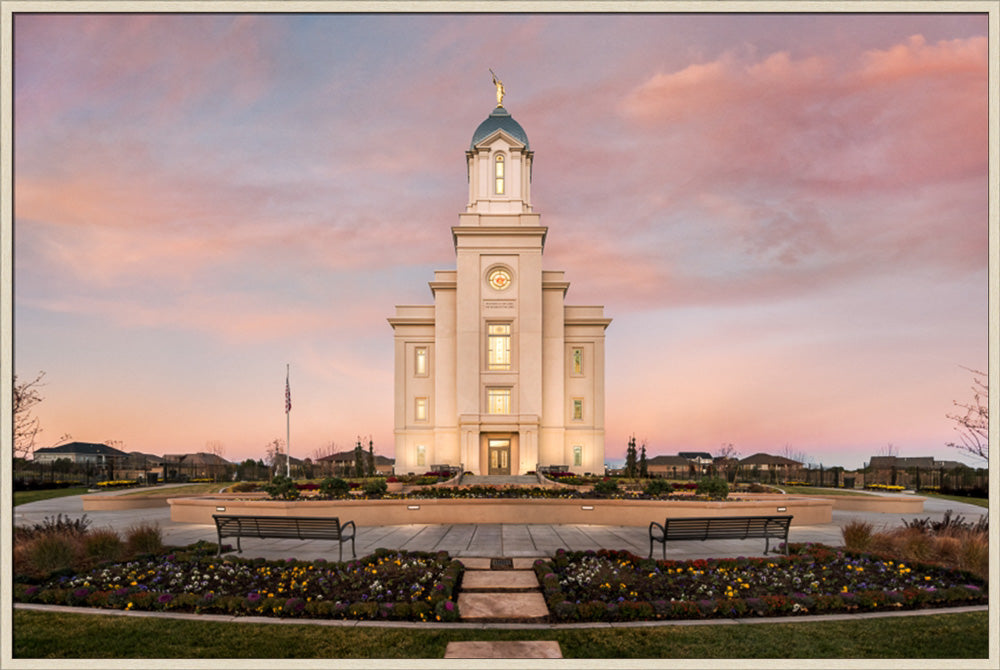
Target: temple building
{"x": 499, "y": 376}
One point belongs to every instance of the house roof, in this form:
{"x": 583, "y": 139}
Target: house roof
{"x": 695, "y": 454}
{"x": 82, "y": 448}
{"x": 911, "y": 462}
{"x": 678, "y": 460}
{"x": 348, "y": 456}
{"x": 768, "y": 459}
{"x": 197, "y": 458}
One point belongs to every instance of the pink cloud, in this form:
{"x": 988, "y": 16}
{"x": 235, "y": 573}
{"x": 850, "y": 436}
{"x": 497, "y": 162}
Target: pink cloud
{"x": 151, "y": 66}
{"x": 842, "y": 125}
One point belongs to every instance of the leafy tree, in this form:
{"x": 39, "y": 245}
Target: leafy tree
{"x": 972, "y": 426}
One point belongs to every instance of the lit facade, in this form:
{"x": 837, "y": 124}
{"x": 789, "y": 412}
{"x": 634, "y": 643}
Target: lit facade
{"x": 499, "y": 375}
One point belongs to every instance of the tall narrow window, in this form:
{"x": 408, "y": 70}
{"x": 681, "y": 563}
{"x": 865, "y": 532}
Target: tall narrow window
{"x": 499, "y": 174}
{"x": 498, "y": 344}
{"x": 577, "y": 361}
{"x": 420, "y": 361}
{"x": 577, "y": 455}
{"x": 420, "y": 410}
{"x": 498, "y": 401}
{"x": 421, "y": 455}
{"x": 578, "y": 409}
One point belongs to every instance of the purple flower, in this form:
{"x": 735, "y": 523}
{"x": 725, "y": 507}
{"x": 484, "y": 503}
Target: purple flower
{"x": 32, "y": 590}
{"x": 449, "y": 605}
{"x": 165, "y": 598}
{"x": 253, "y": 597}
{"x": 81, "y": 593}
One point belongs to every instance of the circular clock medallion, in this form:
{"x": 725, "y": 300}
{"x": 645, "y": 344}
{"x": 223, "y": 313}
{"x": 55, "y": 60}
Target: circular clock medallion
{"x": 499, "y": 278}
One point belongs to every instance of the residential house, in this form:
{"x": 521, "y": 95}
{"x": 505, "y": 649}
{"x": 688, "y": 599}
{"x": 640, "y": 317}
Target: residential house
{"x": 342, "y": 463}
{"x": 674, "y": 467}
{"x": 198, "y": 465}
{"x": 761, "y": 463}
{"x": 702, "y": 460}
{"x": 81, "y": 453}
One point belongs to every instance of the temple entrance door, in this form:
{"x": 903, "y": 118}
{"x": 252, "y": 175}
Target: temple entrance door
{"x": 499, "y": 455}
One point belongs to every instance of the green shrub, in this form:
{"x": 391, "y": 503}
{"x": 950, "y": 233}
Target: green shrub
{"x": 244, "y": 487}
{"x": 606, "y": 487}
{"x": 713, "y": 487}
{"x": 375, "y": 487}
{"x": 144, "y": 538}
{"x": 658, "y": 487}
{"x": 334, "y": 487}
{"x": 282, "y": 487}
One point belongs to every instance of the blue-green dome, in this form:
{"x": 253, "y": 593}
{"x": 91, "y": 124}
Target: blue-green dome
{"x": 500, "y": 119}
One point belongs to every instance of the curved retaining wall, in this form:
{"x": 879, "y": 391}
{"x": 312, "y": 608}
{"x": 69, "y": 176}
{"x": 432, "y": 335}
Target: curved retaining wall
{"x": 806, "y": 511}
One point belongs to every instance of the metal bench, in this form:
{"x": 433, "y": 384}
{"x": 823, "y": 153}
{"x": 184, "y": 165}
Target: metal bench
{"x": 288, "y": 527}
{"x": 720, "y": 528}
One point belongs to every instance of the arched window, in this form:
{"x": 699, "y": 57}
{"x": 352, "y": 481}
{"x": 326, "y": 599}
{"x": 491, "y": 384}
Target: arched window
{"x": 498, "y": 174}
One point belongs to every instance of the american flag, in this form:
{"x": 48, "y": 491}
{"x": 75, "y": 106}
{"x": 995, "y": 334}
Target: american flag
{"x": 288, "y": 396}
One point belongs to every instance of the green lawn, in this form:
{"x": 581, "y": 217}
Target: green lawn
{"x": 818, "y": 491}
{"x": 57, "y": 635}
{"x": 186, "y": 490}
{"x": 980, "y": 502}
{"x": 22, "y": 497}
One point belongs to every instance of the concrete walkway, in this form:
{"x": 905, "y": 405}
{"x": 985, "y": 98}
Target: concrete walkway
{"x": 479, "y": 540}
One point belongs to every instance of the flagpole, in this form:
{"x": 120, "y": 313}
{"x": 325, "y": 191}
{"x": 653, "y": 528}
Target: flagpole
{"x": 288, "y": 424}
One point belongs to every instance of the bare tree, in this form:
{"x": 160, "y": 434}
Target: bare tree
{"x": 326, "y": 450}
{"x": 973, "y": 425}
{"x": 274, "y": 455}
{"x": 792, "y": 454}
{"x": 729, "y": 459}
{"x": 888, "y": 450}
{"x": 215, "y": 447}
{"x": 26, "y": 425}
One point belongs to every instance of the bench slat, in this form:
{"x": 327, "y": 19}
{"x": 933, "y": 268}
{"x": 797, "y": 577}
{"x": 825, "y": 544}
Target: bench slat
{"x": 721, "y": 528}
{"x": 301, "y": 528}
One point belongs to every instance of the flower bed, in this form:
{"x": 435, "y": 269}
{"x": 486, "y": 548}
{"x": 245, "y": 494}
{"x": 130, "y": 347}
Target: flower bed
{"x": 885, "y": 487}
{"x": 617, "y": 585}
{"x": 416, "y": 586}
{"x": 117, "y": 483}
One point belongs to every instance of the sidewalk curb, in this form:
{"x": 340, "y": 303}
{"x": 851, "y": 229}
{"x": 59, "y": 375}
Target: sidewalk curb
{"x": 351, "y": 623}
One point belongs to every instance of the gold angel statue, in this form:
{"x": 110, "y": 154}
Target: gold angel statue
{"x": 500, "y": 89}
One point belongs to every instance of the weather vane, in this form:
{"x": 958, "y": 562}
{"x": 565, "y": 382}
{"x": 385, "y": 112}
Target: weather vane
{"x": 500, "y": 88}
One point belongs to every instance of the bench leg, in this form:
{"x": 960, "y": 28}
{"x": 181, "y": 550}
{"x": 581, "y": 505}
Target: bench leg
{"x": 353, "y": 555}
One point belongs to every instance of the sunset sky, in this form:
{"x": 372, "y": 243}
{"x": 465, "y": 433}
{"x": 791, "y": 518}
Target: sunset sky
{"x": 785, "y": 215}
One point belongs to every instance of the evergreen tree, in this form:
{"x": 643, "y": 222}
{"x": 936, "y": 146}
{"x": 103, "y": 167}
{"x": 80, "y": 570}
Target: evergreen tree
{"x": 359, "y": 460}
{"x": 643, "y": 467}
{"x": 370, "y": 462}
{"x": 631, "y": 469}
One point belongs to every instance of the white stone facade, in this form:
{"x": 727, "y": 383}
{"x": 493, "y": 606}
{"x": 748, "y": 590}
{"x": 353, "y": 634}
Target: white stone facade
{"x": 499, "y": 376}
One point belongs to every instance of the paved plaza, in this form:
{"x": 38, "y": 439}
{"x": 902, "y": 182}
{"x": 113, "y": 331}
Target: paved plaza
{"x": 478, "y": 540}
